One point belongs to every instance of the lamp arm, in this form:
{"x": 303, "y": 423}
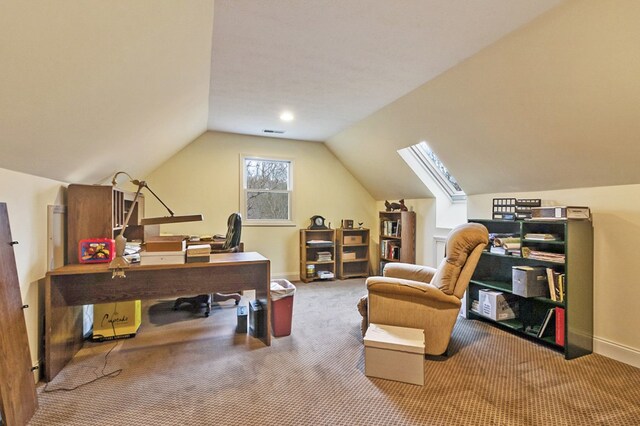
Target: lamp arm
{"x": 133, "y": 204}
{"x": 143, "y": 183}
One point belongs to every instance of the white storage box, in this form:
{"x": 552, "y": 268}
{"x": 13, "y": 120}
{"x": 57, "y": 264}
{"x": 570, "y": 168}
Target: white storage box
{"x": 394, "y": 353}
{"x": 162, "y": 257}
{"x": 497, "y": 305}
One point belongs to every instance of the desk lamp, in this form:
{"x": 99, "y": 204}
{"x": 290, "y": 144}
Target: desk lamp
{"x": 119, "y": 263}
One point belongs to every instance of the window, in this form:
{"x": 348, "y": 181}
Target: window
{"x": 439, "y": 173}
{"x": 267, "y": 191}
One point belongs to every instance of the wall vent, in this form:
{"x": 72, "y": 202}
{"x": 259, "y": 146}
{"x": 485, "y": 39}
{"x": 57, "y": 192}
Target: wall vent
{"x": 276, "y": 132}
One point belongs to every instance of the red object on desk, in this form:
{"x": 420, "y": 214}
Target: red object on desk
{"x": 560, "y": 326}
{"x": 96, "y": 250}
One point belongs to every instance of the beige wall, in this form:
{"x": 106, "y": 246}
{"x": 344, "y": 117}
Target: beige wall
{"x": 616, "y": 225}
{"x": 27, "y": 198}
{"x": 205, "y": 178}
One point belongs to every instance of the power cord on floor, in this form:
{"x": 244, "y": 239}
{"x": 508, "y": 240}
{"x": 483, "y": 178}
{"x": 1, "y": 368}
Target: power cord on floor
{"x": 112, "y": 374}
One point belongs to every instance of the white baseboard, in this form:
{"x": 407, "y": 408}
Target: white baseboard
{"x": 616, "y": 351}
{"x": 290, "y": 276}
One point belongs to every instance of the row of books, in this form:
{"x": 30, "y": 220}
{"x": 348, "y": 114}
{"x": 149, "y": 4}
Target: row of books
{"x": 556, "y": 285}
{"x": 549, "y": 327}
{"x": 390, "y": 249}
{"x": 390, "y": 228}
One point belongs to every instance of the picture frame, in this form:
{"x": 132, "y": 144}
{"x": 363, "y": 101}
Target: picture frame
{"x": 347, "y": 224}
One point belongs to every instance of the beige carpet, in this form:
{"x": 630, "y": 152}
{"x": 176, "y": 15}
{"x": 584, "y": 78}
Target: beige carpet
{"x": 183, "y": 369}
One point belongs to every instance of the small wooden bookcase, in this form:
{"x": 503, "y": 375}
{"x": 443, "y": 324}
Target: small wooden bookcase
{"x": 397, "y": 237}
{"x": 317, "y": 254}
{"x": 352, "y": 254}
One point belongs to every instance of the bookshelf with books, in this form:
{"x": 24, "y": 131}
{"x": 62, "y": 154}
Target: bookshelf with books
{"x": 317, "y": 254}
{"x": 352, "y": 253}
{"x": 561, "y": 252}
{"x": 397, "y": 237}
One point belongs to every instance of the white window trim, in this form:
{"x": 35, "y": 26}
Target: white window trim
{"x": 454, "y": 195}
{"x": 243, "y": 193}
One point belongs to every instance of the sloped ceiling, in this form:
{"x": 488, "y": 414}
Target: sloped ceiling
{"x": 334, "y": 63}
{"x": 91, "y": 87}
{"x": 555, "y": 104}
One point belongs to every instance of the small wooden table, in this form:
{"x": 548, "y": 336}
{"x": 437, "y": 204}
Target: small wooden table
{"x": 71, "y": 286}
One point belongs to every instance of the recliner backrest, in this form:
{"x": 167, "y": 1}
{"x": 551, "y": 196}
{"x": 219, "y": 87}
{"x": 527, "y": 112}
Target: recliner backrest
{"x": 464, "y": 246}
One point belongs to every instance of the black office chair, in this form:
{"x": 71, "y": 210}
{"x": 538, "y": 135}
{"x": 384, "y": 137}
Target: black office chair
{"x": 231, "y": 244}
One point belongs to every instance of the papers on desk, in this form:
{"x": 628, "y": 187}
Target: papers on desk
{"x": 162, "y": 257}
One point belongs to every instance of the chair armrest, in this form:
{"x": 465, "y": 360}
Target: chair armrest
{"x": 408, "y": 271}
{"x": 425, "y": 293}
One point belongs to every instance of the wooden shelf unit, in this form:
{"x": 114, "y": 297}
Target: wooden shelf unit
{"x": 397, "y": 229}
{"x": 354, "y": 241}
{"x": 99, "y": 211}
{"x": 309, "y": 253}
{"x": 494, "y": 271}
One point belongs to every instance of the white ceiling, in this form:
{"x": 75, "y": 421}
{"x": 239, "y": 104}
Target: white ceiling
{"x": 334, "y": 63}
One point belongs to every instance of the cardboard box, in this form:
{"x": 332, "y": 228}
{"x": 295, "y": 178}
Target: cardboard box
{"x": 166, "y": 243}
{"x": 560, "y": 212}
{"x": 162, "y": 257}
{"x": 530, "y": 281}
{"x": 118, "y": 320}
{"x": 497, "y": 305}
{"x": 352, "y": 239}
{"x": 394, "y": 353}
{"x": 349, "y": 255}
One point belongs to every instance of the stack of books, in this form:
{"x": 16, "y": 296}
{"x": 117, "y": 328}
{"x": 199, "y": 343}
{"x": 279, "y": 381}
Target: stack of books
{"x": 198, "y": 253}
{"x": 323, "y": 256}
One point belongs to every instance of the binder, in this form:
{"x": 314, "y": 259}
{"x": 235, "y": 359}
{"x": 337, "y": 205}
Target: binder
{"x": 560, "y": 326}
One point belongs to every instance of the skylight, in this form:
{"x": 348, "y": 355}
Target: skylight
{"x": 432, "y": 164}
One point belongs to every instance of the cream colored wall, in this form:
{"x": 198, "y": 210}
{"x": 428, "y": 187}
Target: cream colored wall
{"x": 616, "y": 226}
{"x": 205, "y": 178}
{"x": 27, "y": 198}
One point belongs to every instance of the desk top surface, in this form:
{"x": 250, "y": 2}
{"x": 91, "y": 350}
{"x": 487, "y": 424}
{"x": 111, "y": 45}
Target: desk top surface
{"x": 214, "y": 260}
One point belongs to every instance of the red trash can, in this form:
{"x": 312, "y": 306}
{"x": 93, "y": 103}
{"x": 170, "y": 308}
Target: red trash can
{"x": 282, "y": 292}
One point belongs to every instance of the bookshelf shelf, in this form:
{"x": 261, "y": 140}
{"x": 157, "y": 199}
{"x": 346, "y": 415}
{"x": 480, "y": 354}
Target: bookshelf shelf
{"x": 397, "y": 237}
{"x": 570, "y": 327}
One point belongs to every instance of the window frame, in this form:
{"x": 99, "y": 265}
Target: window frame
{"x": 421, "y": 152}
{"x": 244, "y": 192}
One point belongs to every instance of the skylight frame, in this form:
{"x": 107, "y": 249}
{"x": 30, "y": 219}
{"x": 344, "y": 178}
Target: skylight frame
{"x": 438, "y": 171}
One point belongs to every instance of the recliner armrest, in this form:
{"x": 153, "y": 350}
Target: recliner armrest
{"x": 409, "y": 271}
{"x": 420, "y": 291}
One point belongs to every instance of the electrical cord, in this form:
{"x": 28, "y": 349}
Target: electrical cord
{"x": 114, "y": 373}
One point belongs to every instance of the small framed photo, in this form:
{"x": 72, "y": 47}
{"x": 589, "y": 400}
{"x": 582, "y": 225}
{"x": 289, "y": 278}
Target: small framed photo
{"x": 347, "y": 224}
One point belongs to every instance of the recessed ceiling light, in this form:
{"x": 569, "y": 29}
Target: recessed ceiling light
{"x": 286, "y": 116}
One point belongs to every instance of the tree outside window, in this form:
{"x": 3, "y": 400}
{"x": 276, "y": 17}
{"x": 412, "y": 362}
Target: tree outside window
{"x": 267, "y": 190}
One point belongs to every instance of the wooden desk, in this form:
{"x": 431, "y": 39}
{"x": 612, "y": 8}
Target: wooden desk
{"x": 71, "y": 286}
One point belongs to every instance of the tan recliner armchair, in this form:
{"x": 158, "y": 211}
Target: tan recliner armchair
{"x": 423, "y": 297}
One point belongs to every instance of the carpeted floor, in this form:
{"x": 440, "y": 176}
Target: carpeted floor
{"x": 183, "y": 369}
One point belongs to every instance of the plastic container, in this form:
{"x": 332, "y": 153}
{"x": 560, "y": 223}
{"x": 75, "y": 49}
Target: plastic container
{"x": 282, "y": 292}
{"x": 96, "y": 250}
